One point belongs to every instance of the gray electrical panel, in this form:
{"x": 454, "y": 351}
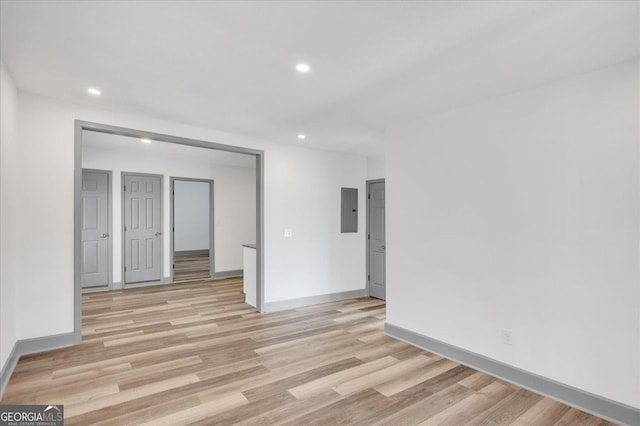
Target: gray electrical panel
{"x": 349, "y": 210}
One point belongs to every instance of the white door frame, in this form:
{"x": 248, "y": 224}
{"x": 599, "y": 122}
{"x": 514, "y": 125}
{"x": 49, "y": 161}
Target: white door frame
{"x": 366, "y": 274}
{"x": 109, "y": 231}
{"x": 212, "y": 247}
{"x": 122, "y": 203}
{"x": 80, "y": 126}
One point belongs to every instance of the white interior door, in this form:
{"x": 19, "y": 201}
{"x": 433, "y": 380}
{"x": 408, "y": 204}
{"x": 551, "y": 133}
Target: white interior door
{"x": 142, "y": 228}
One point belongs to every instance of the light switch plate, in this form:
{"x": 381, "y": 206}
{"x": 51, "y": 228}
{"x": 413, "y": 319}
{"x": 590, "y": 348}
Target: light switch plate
{"x": 288, "y": 233}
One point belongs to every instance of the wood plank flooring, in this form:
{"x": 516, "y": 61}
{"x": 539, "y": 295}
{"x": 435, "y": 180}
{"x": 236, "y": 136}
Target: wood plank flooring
{"x": 194, "y": 353}
{"x": 191, "y": 266}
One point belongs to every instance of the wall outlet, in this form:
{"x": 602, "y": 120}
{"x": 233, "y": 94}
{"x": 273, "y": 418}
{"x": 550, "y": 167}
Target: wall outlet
{"x": 507, "y": 337}
{"x": 288, "y": 233}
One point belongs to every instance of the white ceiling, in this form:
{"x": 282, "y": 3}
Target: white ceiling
{"x": 213, "y": 157}
{"x": 230, "y": 65}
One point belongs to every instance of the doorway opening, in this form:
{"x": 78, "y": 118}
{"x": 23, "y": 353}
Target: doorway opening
{"x": 192, "y": 229}
{"x": 168, "y": 144}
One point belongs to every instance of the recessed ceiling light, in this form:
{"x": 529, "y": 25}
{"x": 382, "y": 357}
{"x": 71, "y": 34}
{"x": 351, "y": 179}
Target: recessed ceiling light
{"x": 302, "y": 136}
{"x": 93, "y": 91}
{"x": 145, "y": 140}
{"x": 303, "y": 68}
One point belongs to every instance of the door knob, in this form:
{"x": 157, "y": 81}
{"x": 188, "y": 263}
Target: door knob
{"x": 384, "y": 247}
{"x": 158, "y": 234}
{"x": 105, "y": 235}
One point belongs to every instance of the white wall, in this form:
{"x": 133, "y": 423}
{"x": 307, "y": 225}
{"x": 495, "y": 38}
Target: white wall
{"x": 234, "y": 201}
{"x": 8, "y": 213}
{"x": 302, "y": 192}
{"x": 376, "y": 168}
{"x": 191, "y": 215}
{"x": 523, "y": 213}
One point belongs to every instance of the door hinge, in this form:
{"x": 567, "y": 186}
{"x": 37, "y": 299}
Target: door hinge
{"x": 125, "y": 269}
{"x": 368, "y": 277}
{"x": 368, "y": 196}
{"x": 174, "y": 266}
{"x": 124, "y": 188}
{"x": 368, "y": 237}
{"x": 173, "y": 229}
{"x": 125, "y": 227}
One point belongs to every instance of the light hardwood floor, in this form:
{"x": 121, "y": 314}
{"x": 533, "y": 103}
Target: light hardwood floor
{"x": 191, "y": 266}
{"x": 195, "y": 353}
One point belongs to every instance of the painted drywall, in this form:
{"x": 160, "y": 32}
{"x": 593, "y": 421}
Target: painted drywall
{"x": 523, "y": 213}
{"x": 375, "y": 168}
{"x": 302, "y": 192}
{"x": 234, "y": 201}
{"x": 304, "y": 196}
{"x": 8, "y": 213}
{"x": 191, "y": 214}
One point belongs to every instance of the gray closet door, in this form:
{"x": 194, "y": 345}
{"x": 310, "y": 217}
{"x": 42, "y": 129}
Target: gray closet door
{"x": 142, "y": 232}
{"x": 376, "y": 231}
{"x": 95, "y": 230}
